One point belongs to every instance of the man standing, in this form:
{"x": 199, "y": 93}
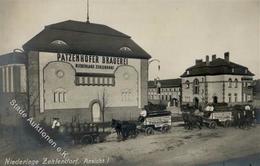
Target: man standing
{"x": 142, "y": 116}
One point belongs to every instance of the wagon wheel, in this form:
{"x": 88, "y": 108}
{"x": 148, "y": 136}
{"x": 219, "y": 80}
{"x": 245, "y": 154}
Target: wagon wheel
{"x": 149, "y": 131}
{"x": 227, "y": 123}
{"x": 212, "y": 125}
{"x": 165, "y": 129}
{"x": 87, "y": 139}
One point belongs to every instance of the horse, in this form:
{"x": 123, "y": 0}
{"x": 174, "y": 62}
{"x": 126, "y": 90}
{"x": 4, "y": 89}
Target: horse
{"x": 124, "y": 128}
{"x": 191, "y": 121}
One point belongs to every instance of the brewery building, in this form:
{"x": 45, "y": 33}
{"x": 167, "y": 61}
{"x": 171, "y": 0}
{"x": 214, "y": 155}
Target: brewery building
{"x": 86, "y": 71}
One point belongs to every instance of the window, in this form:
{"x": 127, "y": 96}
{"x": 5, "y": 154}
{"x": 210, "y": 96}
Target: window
{"x": 235, "y": 95}
{"x": 196, "y": 86}
{"x": 59, "y": 95}
{"x": 125, "y": 49}
{"x": 233, "y": 70}
{"x": 91, "y": 80}
{"x": 98, "y": 81}
{"x": 248, "y": 97}
{"x": 188, "y": 72}
{"x": 59, "y": 43}
{"x": 126, "y": 95}
{"x": 236, "y": 82}
{"x": 229, "y": 97}
{"x": 230, "y": 83}
{"x": 187, "y": 84}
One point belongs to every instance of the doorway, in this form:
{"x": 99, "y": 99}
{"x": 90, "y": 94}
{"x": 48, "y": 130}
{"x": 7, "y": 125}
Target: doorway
{"x": 215, "y": 99}
{"x": 196, "y": 102}
{"x": 96, "y": 112}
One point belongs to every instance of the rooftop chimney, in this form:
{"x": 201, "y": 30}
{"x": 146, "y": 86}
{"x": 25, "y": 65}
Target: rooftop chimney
{"x": 207, "y": 60}
{"x": 214, "y": 57}
{"x": 198, "y": 61}
{"x": 226, "y": 56}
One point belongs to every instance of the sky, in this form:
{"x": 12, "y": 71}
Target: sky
{"x": 176, "y": 32}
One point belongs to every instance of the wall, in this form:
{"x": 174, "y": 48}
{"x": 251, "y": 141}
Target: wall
{"x": 187, "y": 93}
{"x": 33, "y": 83}
{"x": 130, "y": 79}
{"x": 217, "y": 85}
{"x": 143, "y": 83}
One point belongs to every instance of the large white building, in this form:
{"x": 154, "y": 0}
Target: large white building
{"x": 80, "y": 69}
{"x": 216, "y": 81}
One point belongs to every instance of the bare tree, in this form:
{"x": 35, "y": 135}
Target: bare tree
{"x": 103, "y": 98}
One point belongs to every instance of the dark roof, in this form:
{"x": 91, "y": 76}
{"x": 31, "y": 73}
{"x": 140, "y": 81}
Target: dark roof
{"x": 166, "y": 83}
{"x": 217, "y": 67}
{"x": 85, "y": 38}
{"x": 12, "y": 58}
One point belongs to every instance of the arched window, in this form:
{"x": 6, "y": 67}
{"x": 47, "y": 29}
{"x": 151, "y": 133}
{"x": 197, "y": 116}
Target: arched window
{"x": 59, "y": 43}
{"x": 59, "y": 95}
{"x": 230, "y": 83}
{"x": 235, "y": 95}
{"x": 229, "y": 98}
{"x": 236, "y": 83}
{"x": 96, "y": 112}
{"x": 187, "y": 84}
{"x": 196, "y": 86}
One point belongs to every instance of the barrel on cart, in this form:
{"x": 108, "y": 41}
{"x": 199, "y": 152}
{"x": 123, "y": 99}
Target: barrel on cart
{"x": 156, "y": 121}
{"x": 241, "y": 116}
{"x": 82, "y": 133}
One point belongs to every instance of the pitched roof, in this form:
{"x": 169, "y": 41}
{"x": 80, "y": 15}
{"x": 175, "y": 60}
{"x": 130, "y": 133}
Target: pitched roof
{"x": 216, "y": 67}
{"x": 12, "y": 58}
{"x": 166, "y": 83}
{"x": 86, "y": 38}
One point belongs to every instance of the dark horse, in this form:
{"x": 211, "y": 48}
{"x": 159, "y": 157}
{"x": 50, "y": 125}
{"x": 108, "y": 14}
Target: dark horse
{"x": 245, "y": 118}
{"x": 191, "y": 121}
{"x": 124, "y": 128}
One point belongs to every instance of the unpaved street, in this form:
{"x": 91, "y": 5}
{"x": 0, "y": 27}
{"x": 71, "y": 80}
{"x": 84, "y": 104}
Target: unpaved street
{"x": 179, "y": 147}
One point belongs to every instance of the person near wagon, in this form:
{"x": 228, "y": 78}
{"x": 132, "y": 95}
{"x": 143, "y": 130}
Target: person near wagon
{"x": 55, "y": 123}
{"x": 142, "y": 116}
{"x": 209, "y": 109}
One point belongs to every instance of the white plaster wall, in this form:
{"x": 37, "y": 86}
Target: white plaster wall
{"x": 187, "y": 94}
{"x": 215, "y": 88}
{"x": 81, "y": 96}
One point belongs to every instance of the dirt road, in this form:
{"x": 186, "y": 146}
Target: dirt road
{"x": 179, "y": 147}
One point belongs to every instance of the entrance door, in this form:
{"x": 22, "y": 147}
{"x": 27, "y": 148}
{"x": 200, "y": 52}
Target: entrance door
{"x": 215, "y": 99}
{"x": 196, "y": 102}
{"x": 96, "y": 112}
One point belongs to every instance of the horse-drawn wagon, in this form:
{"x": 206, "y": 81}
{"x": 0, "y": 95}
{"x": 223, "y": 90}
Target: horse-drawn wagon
{"x": 78, "y": 133}
{"x": 156, "y": 121}
{"x": 222, "y": 115}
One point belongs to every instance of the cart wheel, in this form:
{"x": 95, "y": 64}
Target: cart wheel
{"x": 227, "y": 123}
{"x": 149, "y": 131}
{"x": 165, "y": 129}
{"x": 86, "y": 139}
{"x": 212, "y": 125}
